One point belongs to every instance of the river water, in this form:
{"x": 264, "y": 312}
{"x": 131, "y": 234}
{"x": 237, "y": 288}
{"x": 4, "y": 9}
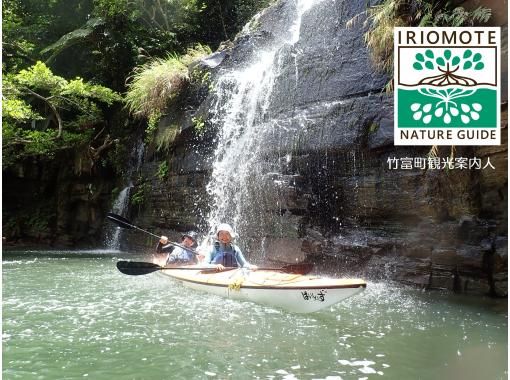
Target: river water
{"x": 72, "y": 315}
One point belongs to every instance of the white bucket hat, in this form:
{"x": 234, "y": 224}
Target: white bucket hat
{"x": 225, "y": 227}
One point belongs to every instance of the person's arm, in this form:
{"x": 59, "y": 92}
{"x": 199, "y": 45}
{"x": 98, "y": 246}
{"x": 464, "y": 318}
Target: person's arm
{"x": 241, "y": 261}
{"x": 163, "y": 246}
{"x": 161, "y": 255}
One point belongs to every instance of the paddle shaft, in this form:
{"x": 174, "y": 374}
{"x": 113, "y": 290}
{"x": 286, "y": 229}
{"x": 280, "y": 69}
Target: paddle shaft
{"x": 135, "y": 268}
{"x": 123, "y": 222}
{"x": 147, "y": 232}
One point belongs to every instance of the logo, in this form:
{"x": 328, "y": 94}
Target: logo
{"x": 447, "y": 86}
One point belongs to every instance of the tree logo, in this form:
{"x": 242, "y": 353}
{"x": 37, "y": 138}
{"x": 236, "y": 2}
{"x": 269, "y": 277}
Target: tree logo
{"x": 447, "y": 86}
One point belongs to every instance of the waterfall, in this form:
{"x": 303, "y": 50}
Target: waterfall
{"x": 119, "y": 208}
{"x": 245, "y": 182}
{"x": 121, "y": 204}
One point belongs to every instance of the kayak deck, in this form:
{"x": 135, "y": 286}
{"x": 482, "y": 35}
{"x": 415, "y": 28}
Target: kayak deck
{"x": 293, "y": 292}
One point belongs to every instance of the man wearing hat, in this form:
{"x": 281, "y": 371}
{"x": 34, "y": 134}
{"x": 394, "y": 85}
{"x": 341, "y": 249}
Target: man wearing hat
{"x": 177, "y": 255}
{"x": 224, "y": 253}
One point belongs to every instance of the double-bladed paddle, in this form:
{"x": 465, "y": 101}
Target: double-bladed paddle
{"x": 136, "y": 268}
{"x": 124, "y": 223}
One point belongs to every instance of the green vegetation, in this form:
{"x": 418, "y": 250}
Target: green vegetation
{"x": 162, "y": 172}
{"x": 165, "y": 137}
{"x": 198, "y": 124}
{"x": 155, "y": 84}
{"x": 65, "y": 62}
{"x": 152, "y": 126}
{"x": 201, "y": 77}
{"x": 373, "y": 128}
{"x": 44, "y": 113}
{"x": 139, "y": 197}
{"x": 135, "y": 45}
{"x": 382, "y": 18}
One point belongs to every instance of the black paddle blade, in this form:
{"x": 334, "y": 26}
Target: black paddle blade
{"x": 119, "y": 220}
{"x": 137, "y": 268}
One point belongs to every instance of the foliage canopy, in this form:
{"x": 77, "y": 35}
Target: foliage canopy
{"x": 44, "y": 113}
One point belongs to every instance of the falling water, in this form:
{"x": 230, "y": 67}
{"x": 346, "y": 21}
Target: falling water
{"x": 121, "y": 203}
{"x": 119, "y": 207}
{"x": 245, "y": 183}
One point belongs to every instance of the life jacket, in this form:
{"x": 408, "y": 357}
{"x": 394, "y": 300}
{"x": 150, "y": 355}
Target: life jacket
{"x": 225, "y": 256}
{"x": 182, "y": 257}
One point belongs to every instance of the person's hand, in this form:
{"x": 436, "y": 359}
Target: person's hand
{"x": 219, "y": 267}
{"x": 163, "y": 239}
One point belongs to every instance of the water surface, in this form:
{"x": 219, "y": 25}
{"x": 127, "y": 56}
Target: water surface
{"x": 70, "y": 315}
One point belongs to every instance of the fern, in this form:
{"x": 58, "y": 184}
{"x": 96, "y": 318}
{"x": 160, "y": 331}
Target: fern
{"x": 155, "y": 84}
{"x": 460, "y": 17}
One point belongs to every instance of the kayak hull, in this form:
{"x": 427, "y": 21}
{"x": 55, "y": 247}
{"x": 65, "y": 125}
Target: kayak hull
{"x": 295, "y": 293}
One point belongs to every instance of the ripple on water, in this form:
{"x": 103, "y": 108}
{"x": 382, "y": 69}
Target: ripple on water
{"x": 82, "y": 317}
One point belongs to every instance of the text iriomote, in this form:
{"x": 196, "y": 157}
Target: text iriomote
{"x": 459, "y": 37}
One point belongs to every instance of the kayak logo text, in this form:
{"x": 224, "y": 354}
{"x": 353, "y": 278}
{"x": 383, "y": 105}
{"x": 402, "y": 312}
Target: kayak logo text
{"x": 447, "y": 86}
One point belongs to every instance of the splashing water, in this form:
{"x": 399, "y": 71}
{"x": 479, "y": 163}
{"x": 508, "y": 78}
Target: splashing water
{"x": 242, "y": 188}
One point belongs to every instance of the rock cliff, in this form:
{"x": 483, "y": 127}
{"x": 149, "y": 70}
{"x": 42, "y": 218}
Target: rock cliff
{"x": 335, "y": 198}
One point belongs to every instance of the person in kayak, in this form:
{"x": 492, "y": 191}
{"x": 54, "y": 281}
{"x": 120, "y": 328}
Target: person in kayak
{"x": 224, "y": 253}
{"x": 178, "y": 255}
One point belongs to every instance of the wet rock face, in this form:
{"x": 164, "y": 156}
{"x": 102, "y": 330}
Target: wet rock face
{"x": 50, "y": 203}
{"x": 339, "y": 202}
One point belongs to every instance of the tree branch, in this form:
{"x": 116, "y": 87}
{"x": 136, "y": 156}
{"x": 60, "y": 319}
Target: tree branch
{"x": 95, "y": 153}
{"x": 53, "y": 108}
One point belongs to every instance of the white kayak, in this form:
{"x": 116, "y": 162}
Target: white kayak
{"x": 293, "y": 292}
